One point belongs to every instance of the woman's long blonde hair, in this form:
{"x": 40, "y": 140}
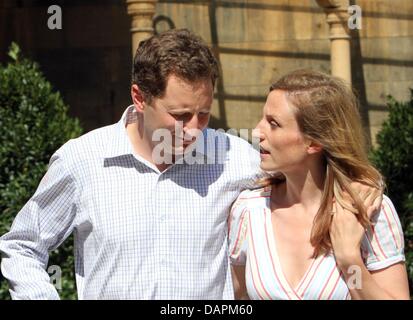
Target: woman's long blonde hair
{"x": 327, "y": 112}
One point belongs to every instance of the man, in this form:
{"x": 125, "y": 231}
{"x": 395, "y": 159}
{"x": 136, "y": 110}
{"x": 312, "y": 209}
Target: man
{"x": 147, "y": 223}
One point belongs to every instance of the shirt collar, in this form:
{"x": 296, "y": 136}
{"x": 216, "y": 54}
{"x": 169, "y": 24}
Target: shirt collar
{"x": 122, "y": 146}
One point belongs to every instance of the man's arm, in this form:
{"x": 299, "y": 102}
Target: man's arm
{"x": 44, "y": 222}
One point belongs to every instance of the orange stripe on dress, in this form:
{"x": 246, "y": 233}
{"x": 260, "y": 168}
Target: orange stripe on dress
{"x": 370, "y": 243}
{"x": 239, "y": 231}
{"x": 312, "y": 277}
{"x": 327, "y": 282}
{"x": 254, "y": 197}
{"x": 253, "y": 282}
{"x": 305, "y": 276}
{"x": 390, "y": 225}
{"x": 378, "y": 242}
{"x": 395, "y": 218}
{"x": 255, "y": 259}
{"x": 272, "y": 262}
{"x": 335, "y": 285}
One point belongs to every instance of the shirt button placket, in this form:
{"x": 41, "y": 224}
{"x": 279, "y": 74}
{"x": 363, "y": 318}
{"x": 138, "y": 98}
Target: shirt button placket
{"x": 164, "y": 243}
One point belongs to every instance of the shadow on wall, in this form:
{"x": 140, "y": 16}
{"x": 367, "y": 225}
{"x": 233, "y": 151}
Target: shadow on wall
{"x": 358, "y": 60}
{"x": 94, "y": 78}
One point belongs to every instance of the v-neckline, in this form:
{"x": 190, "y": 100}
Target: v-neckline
{"x": 297, "y": 290}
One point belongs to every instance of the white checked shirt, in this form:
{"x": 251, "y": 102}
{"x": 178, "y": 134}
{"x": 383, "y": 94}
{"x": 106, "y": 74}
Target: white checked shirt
{"x": 139, "y": 233}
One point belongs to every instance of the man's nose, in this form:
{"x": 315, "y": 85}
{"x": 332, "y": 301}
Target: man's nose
{"x": 192, "y": 122}
{"x": 191, "y": 128}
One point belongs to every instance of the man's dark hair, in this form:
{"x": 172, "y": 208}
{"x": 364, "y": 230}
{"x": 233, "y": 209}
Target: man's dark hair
{"x": 177, "y": 52}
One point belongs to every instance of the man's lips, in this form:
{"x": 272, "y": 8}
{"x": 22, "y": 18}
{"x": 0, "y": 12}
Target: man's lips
{"x": 263, "y": 151}
{"x": 185, "y": 141}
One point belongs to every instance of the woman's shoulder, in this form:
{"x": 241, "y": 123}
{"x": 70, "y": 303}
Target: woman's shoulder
{"x": 252, "y": 198}
{"x": 383, "y": 244}
{"x": 251, "y": 194}
{"x": 387, "y": 210}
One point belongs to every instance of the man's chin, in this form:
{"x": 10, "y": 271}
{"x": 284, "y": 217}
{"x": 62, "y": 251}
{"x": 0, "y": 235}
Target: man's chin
{"x": 181, "y": 150}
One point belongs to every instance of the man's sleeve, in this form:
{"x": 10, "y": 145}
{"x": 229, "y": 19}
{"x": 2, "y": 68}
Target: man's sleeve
{"x": 44, "y": 222}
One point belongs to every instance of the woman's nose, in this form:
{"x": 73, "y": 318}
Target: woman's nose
{"x": 256, "y": 133}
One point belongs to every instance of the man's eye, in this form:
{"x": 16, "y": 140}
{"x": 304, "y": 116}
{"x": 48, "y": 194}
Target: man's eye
{"x": 181, "y": 115}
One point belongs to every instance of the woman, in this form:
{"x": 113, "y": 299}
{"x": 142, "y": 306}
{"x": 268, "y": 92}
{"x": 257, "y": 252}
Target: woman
{"x": 297, "y": 237}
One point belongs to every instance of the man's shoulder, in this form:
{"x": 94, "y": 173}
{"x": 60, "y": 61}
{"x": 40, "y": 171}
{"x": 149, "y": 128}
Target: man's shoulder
{"x": 89, "y": 145}
{"x": 228, "y": 140}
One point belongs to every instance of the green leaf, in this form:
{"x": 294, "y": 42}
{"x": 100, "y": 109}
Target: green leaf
{"x": 14, "y": 51}
{"x": 34, "y": 123}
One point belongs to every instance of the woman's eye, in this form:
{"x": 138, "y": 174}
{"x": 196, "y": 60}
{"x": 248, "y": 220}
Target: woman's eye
{"x": 273, "y": 124}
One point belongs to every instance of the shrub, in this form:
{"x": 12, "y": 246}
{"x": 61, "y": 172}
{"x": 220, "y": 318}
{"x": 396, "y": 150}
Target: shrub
{"x": 33, "y": 124}
{"x": 394, "y": 158}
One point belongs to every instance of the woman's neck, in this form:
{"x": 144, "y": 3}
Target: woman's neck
{"x": 302, "y": 187}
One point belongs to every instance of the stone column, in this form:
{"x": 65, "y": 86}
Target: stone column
{"x": 142, "y": 12}
{"x": 337, "y": 19}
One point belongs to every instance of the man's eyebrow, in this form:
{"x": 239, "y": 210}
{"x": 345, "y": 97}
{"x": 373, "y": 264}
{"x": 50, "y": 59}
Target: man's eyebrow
{"x": 172, "y": 107}
{"x": 186, "y": 109}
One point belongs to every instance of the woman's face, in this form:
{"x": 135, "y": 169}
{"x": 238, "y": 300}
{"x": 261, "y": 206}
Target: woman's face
{"x": 282, "y": 146}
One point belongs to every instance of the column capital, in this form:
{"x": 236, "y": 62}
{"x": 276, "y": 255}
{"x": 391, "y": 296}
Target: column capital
{"x": 142, "y": 12}
{"x": 141, "y": 7}
{"x": 332, "y": 3}
{"x": 337, "y": 19}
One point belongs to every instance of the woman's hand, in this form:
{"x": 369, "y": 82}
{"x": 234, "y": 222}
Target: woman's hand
{"x": 371, "y": 197}
{"x": 346, "y": 234}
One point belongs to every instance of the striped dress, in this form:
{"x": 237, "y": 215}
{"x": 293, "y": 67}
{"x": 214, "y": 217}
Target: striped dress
{"x": 252, "y": 243}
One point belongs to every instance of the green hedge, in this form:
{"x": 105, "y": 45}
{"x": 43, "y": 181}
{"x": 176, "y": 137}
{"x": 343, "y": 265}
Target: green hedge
{"x": 33, "y": 124}
{"x": 394, "y": 158}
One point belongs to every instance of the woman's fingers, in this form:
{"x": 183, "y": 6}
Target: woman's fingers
{"x": 370, "y": 196}
{"x": 375, "y": 207}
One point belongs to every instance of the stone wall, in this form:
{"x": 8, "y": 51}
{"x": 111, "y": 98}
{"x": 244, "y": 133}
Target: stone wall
{"x": 88, "y": 61}
{"x": 256, "y": 42}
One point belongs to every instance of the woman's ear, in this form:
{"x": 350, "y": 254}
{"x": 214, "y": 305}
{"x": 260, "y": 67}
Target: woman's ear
{"x": 137, "y": 98}
{"x": 314, "y": 147}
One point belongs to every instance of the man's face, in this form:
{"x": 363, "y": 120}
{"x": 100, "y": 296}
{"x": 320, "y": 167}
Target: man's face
{"x": 183, "y": 111}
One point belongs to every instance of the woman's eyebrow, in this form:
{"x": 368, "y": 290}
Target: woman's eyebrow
{"x": 270, "y": 115}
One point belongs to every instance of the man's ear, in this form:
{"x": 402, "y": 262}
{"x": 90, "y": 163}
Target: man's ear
{"x": 137, "y": 98}
{"x": 314, "y": 147}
